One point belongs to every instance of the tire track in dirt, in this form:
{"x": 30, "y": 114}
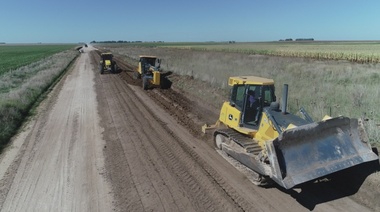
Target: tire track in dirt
{"x": 174, "y": 155}
{"x": 58, "y": 166}
{"x": 179, "y": 108}
{"x": 139, "y": 157}
{"x": 164, "y": 160}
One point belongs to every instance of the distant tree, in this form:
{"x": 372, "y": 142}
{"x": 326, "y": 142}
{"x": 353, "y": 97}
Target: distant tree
{"x": 305, "y": 39}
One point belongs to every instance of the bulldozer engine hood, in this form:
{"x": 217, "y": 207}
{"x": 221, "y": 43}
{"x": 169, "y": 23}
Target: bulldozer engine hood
{"x": 282, "y": 121}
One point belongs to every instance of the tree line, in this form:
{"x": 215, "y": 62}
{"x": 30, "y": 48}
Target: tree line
{"x": 123, "y": 41}
{"x": 297, "y": 39}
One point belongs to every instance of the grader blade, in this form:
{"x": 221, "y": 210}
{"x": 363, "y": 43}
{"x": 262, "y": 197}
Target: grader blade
{"x": 315, "y": 150}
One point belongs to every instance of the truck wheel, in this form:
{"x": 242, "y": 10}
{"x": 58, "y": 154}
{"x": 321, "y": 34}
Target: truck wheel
{"x": 114, "y": 68}
{"x": 145, "y": 84}
{"x": 101, "y": 69}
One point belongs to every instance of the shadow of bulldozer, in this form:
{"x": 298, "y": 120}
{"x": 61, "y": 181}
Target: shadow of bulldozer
{"x": 165, "y": 82}
{"x": 341, "y": 184}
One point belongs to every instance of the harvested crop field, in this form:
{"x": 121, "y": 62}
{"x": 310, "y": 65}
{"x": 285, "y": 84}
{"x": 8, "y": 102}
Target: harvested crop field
{"x": 102, "y": 143}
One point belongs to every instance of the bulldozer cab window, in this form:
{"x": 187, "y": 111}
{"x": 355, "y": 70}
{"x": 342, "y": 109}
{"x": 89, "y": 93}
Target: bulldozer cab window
{"x": 252, "y": 105}
{"x": 268, "y": 94}
{"x": 237, "y": 96}
{"x": 257, "y": 96}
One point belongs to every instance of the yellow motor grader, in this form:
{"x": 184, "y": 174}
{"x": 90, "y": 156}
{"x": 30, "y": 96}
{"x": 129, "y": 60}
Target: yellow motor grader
{"x": 149, "y": 71}
{"x": 107, "y": 63}
{"x": 281, "y": 146}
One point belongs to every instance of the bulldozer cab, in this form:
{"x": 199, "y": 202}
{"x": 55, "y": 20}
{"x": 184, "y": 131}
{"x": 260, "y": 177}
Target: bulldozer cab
{"x": 106, "y": 56}
{"x": 250, "y": 99}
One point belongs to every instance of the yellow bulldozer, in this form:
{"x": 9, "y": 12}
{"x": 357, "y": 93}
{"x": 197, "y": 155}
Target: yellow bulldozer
{"x": 149, "y": 71}
{"x": 282, "y": 147}
{"x": 107, "y": 63}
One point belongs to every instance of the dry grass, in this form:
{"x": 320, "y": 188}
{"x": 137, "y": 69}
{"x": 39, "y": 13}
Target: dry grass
{"x": 354, "y": 51}
{"x": 20, "y": 89}
{"x": 321, "y": 87}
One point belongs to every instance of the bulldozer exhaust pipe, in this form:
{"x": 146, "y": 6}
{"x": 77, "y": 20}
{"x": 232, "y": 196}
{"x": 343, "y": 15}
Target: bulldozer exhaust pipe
{"x": 284, "y": 103}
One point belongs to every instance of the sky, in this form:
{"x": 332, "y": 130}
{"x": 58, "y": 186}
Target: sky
{"x": 73, "y": 21}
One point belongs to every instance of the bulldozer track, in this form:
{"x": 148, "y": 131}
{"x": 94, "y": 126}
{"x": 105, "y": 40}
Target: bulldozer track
{"x": 249, "y": 144}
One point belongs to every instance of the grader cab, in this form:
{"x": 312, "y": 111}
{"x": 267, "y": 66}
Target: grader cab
{"x": 149, "y": 71}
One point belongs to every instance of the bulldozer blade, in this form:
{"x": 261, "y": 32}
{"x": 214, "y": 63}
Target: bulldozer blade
{"x": 317, "y": 149}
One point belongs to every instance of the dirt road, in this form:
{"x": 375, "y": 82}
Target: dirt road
{"x": 101, "y": 143}
{"x": 59, "y": 163}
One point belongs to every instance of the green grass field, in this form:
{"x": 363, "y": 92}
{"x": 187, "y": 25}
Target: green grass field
{"x": 26, "y": 73}
{"x": 15, "y": 56}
